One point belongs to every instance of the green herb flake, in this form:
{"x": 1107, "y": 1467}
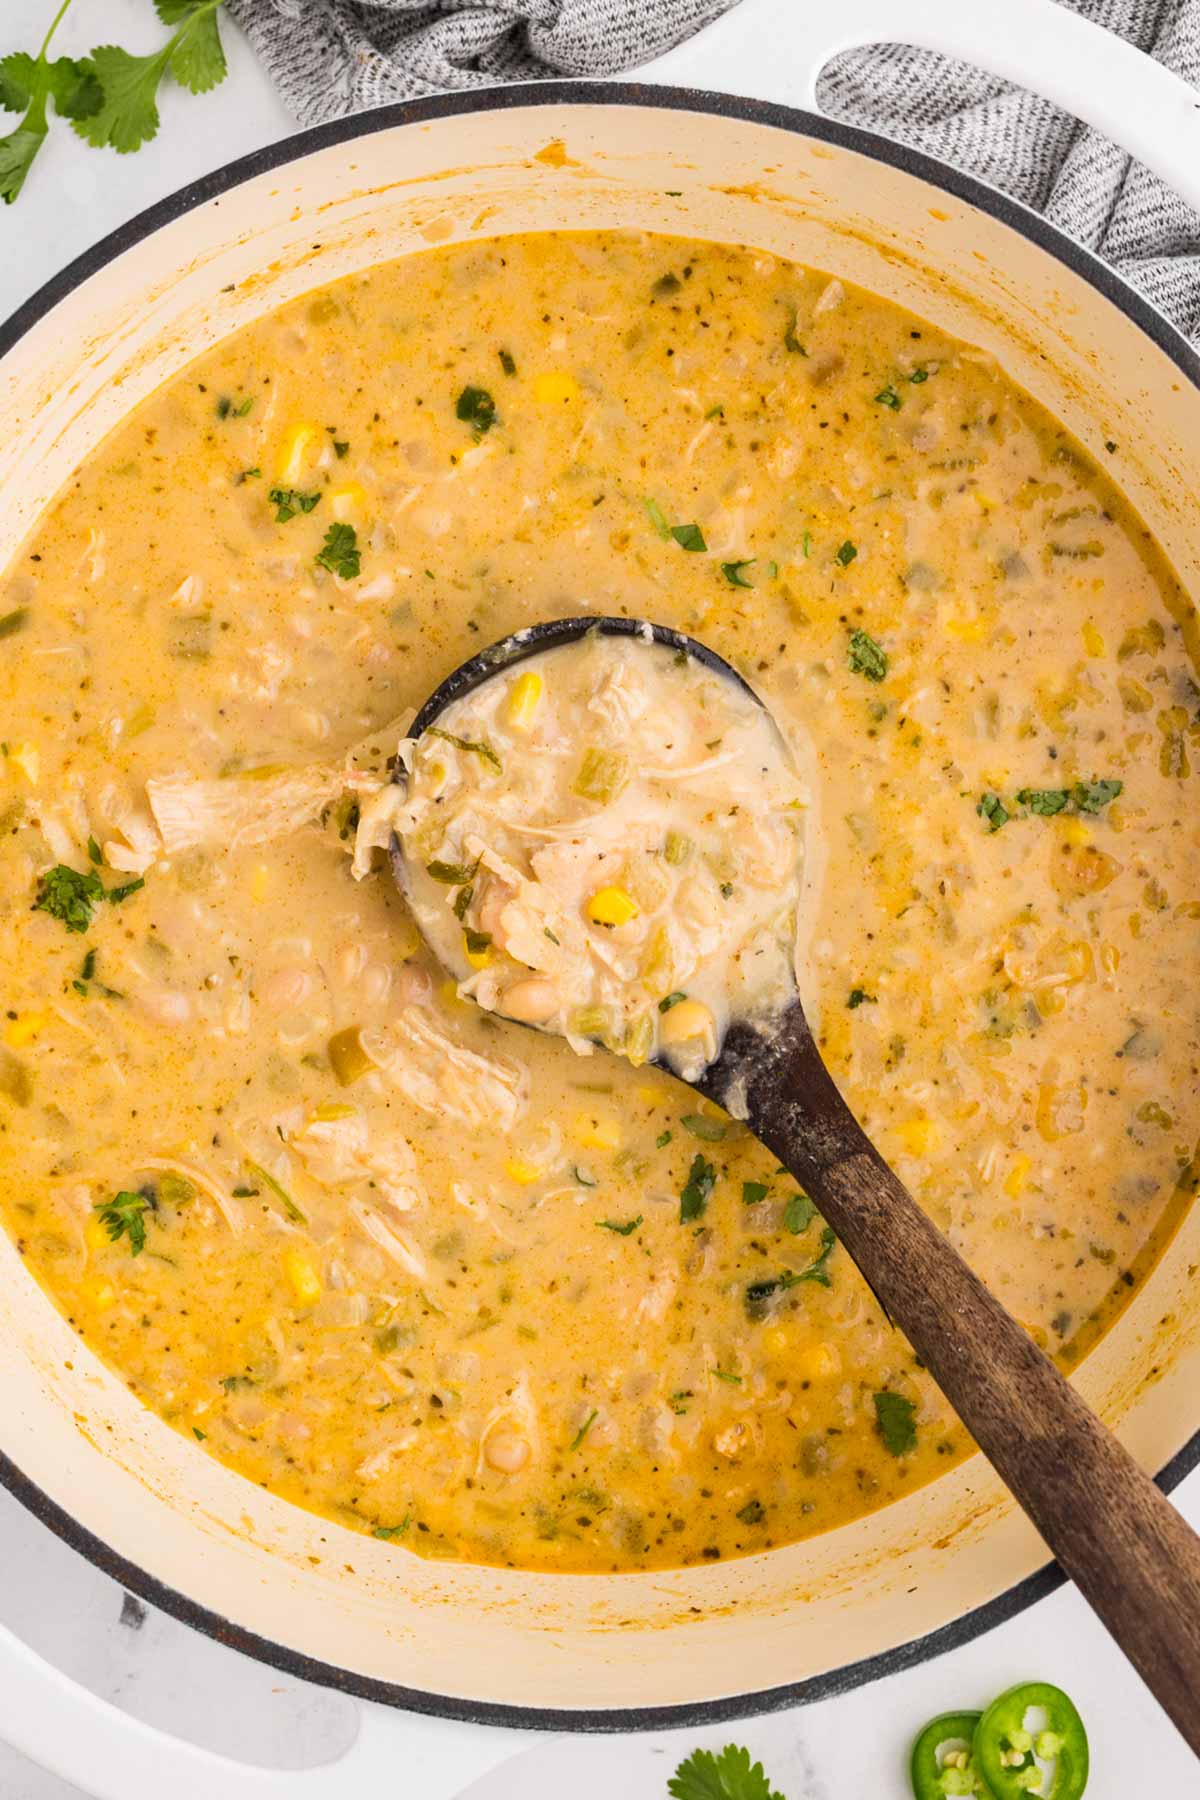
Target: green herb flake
{"x": 462, "y": 901}
{"x": 115, "y": 895}
{"x": 482, "y": 750}
{"x": 340, "y": 553}
{"x": 790, "y": 340}
{"x": 200, "y": 1436}
{"x": 341, "y": 448}
{"x": 666, "y": 284}
{"x": 583, "y": 1430}
{"x": 887, "y": 396}
{"x": 753, "y": 1192}
{"x": 95, "y": 855}
{"x": 918, "y": 376}
{"x": 845, "y": 553}
{"x": 732, "y": 571}
{"x": 663, "y": 1139}
{"x": 622, "y": 1230}
{"x": 895, "y": 1422}
{"x": 859, "y": 997}
{"x": 866, "y": 657}
{"x": 992, "y": 808}
{"x": 817, "y": 1270}
{"x": 798, "y": 1214}
{"x": 477, "y": 941}
{"x": 670, "y": 1000}
{"x": 290, "y": 501}
{"x": 388, "y": 1533}
{"x": 507, "y": 362}
{"x": 753, "y": 1513}
{"x": 1045, "y": 802}
{"x": 125, "y": 1216}
{"x": 451, "y": 874}
{"x": 693, "y": 1198}
{"x": 689, "y": 537}
{"x": 710, "y": 1130}
{"x": 1093, "y": 796}
{"x": 475, "y": 407}
{"x": 68, "y": 896}
{"x": 729, "y": 1376}
{"x": 12, "y": 622}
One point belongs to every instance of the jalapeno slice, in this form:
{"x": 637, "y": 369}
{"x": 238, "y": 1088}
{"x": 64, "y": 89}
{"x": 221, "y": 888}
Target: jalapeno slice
{"x": 1006, "y": 1751}
{"x": 943, "y": 1764}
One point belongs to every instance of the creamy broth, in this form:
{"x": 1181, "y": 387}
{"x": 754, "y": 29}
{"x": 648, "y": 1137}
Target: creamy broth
{"x": 606, "y": 843}
{"x": 429, "y": 1273}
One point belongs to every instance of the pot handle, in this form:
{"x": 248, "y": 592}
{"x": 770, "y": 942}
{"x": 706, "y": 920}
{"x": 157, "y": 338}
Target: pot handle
{"x": 776, "y": 50}
{"x": 111, "y": 1756}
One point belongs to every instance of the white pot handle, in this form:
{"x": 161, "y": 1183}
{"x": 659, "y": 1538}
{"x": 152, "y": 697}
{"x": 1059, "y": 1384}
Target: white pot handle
{"x": 776, "y": 49}
{"x": 111, "y": 1756}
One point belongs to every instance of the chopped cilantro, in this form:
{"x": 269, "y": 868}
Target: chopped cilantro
{"x": 790, "y": 340}
{"x": 69, "y": 896}
{"x": 662, "y": 1140}
{"x": 866, "y": 657}
{"x": 125, "y": 1216}
{"x": 95, "y": 854}
{"x": 387, "y": 1532}
{"x": 701, "y": 1180}
{"x": 624, "y": 1230}
{"x": 895, "y": 1422}
{"x": 918, "y": 376}
{"x": 845, "y": 553}
{"x": 657, "y": 518}
{"x": 462, "y": 900}
{"x": 711, "y": 1130}
{"x": 670, "y": 1000}
{"x": 477, "y": 941}
{"x": 798, "y": 1214}
{"x": 732, "y": 571}
{"x": 290, "y": 501}
{"x": 340, "y": 553}
{"x": 992, "y": 808}
{"x": 1091, "y": 796}
{"x": 451, "y": 874}
{"x": 753, "y": 1192}
{"x": 1044, "y": 801}
{"x": 245, "y": 475}
{"x": 753, "y": 1513}
{"x": 666, "y": 284}
{"x": 729, "y": 1376}
{"x": 341, "y": 448}
{"x": 507, "y": 362}
{"x": 583, "y": 1430}
{"x": 483, "y": 750}
{"x": 689, "y": 537}
{"x": 14, "y": 621}
{"x": 115, "y": 895}
{"x": 887, "y": 396}
{"x": 860, "y": 997}
{"x": 475, "y": 407}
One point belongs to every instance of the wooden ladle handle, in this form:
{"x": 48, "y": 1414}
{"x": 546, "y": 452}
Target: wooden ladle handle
{"x": 1124, "y": 1545}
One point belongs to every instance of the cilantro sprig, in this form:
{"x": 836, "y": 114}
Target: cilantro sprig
{"x": 727, "y": 1774}
{"x": 110, "y": 98}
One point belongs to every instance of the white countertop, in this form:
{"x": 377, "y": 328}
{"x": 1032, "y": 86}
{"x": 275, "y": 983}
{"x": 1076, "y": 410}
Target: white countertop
{"x": 850, "y": 1748}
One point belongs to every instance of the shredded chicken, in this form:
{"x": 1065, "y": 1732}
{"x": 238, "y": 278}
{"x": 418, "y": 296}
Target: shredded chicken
{"x": 225, "y": 1203}
{"x": 393, "y": 1242}
{"x": 338, "y": 1150}
{"x": 444, "y": 1078}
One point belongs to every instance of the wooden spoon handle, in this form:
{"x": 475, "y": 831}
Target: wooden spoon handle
{"x": 1119, "y": 1539}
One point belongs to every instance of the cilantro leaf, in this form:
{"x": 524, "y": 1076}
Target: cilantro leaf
{"x": 28, "y": 84}
{"x": 859, "y": 997}
{"x": 753, "y": 1192}
{"x": 895, "y": 1422}
{"x": 732, "y": 571}
{"x": 866, "y": 657}
{"x": 844, "y": 554}
{"x": 1043, "y": 801}
{"x": 128, "y": 115}
{"x": 290, "y": 501}
{"x": 1091, "y": 796}
{"x": 798, "y": 1214}
{"x": 702, "y": 1178}
{"x": 125, "y": 1216}
{"x": 69, "y": 896}
{"x": 701, "y": 1126}
{"x": 340, "y": 553}
{"x": 689, "y": 537}
{"x": 476, "y": 407}
{"x": 992, "y": 808}
{"x": 198, "y": 59}
{"x": 18, "y": 150}
{"x": 77, "y": 94}
{"x": 622, "y": 1230}
{"x": 727, "y": 1775}
{"x": 19, "y": 80}
{"x": 887, "y": 396}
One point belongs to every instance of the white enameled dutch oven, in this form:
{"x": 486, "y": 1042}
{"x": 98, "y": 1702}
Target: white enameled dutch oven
{"x": 492, "y": 1646}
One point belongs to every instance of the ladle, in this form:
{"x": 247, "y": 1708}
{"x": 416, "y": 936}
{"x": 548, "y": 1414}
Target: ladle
{"x": 1126, "y": 1548}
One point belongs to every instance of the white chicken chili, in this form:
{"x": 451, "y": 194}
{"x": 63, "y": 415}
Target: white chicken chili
{"x": 605, "y": 842}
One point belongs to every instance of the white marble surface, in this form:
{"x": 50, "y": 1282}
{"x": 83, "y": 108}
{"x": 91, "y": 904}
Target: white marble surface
{"x": 846, "y": 1749}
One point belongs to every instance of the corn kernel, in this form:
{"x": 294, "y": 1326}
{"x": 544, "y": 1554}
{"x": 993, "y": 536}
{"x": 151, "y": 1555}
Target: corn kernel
{"x": 260, "y": 883}
{"x": 1075, "y": 831}
{"x": 611, "y": 906}
{"x": 1017, "y": 1179}
{"x": 555, "y": 387}
{"x": 478, "y": 959}
{"x": 302, "y": 1277}
{"x": 820, "y": 1362}
{"x": 293, "y": 452}
{"x": 597, "y": 1134}
{"x": 524, "y": 700}
{"x": 349, "y": 501}
{"x": 449, "y": 995}
{"x": 523, "y": 1172}
{"x": 919, "y": 1135}
{"x": 101, "y": 1293}
{"x": 28, "y": 760}
{"x": 966, "y": 631}
{"x": 95, "y": 1233}
{"x": 650, "y": 1097}
{"x": 687, "y": 1022}
{"x": 25, "y": 1027}
{"x": 1093, "y": 643}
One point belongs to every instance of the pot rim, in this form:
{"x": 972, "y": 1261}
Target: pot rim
{"x": 29, "y": 314}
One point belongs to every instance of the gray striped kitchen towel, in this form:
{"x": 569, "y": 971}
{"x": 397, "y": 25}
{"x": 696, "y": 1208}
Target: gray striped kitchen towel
{"x": 330, "y": 57}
